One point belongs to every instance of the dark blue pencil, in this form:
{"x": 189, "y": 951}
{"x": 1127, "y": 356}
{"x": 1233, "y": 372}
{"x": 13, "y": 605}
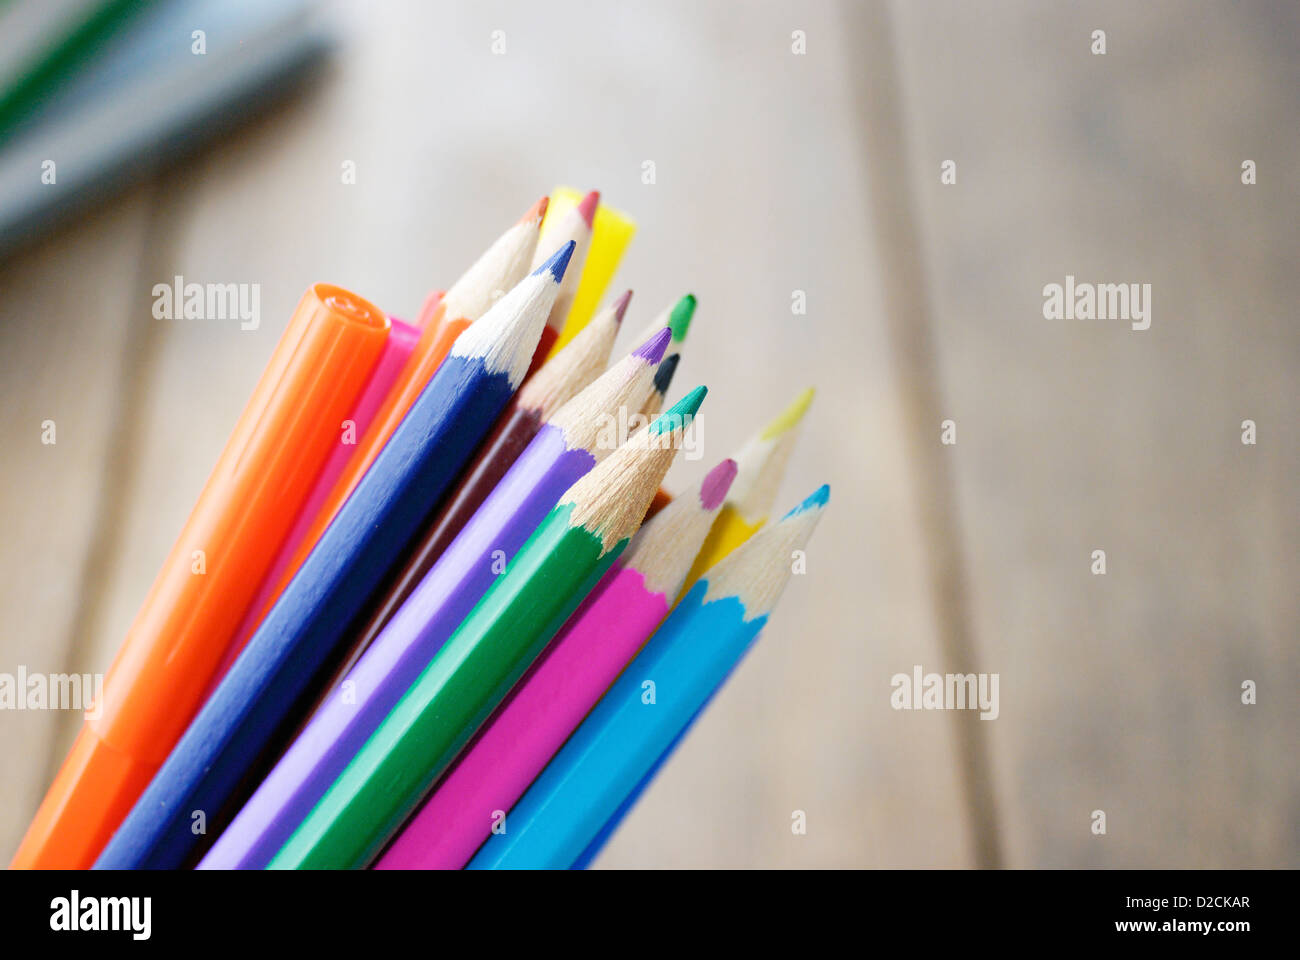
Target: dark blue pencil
{"x": 232, "y": 741}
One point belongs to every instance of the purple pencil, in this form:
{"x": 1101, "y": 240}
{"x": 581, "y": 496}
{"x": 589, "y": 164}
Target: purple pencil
{"x": 571, "y": 442}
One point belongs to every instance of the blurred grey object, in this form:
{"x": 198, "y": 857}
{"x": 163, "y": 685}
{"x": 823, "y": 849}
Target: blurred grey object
{"x": 141, "y": 95}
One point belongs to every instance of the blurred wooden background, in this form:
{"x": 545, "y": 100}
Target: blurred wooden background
{"x": 778, "y": 172}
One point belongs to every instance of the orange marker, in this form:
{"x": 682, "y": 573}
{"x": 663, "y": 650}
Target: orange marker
{"x": 504, "y": 264}
{"x": 178, "y": 639}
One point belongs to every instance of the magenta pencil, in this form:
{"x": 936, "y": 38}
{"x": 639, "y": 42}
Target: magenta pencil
{"x": 397, "y": 350}
{"x": 549, "y": 702}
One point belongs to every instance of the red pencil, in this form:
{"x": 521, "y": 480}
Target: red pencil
{"x": 576, "y": 226}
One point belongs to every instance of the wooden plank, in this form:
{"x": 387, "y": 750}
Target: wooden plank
{"x": 63, "y": 339}
{"x": 1122, "y": 692}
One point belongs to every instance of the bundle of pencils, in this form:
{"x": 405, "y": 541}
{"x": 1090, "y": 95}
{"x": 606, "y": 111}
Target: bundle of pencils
{"x": 422, "y": 589}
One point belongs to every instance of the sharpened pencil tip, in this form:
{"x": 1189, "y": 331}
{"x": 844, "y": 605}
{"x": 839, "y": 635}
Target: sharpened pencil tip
{"x": 587, "y": 208}
{"x": 790, "y": 416}
{"x": 652, "y": 351}
{"x": 536, "y": 212}
{"x": 620, "y": 306}
{"x": 679, "y": 320}
{"x": 558, "y": 262}
{"x": 816, "y": 500}
{"x": 676, "y": 415}
{"x": 664, "y": 375}
{"x": 716, "y": 484}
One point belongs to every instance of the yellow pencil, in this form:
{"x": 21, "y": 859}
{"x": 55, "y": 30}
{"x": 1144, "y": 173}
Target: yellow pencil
{"x": 760, "y": 469}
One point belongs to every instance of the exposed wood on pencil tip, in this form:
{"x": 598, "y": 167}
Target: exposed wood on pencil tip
{"x": 763, "y": 459}
{"x": 665, "y": 548}
{"x": 506, "y": 337}
{"x": 756, "y": 572}
{"x": 574, "y": 368}
{"x": 626, "y": 384}
{"x": 574, "y": 229}
{"x": 496, "y": 271}
{"x": 612, "y": 499}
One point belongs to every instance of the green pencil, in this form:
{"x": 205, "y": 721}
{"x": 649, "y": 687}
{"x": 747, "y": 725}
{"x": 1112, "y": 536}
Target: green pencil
{"x": 564, "y": 558}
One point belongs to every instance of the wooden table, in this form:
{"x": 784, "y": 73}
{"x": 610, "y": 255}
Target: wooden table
{"x": 778, "y": 172}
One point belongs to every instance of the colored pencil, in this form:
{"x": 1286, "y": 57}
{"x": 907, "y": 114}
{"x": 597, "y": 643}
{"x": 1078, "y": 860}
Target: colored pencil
{"x": 561, "y": 453}
{"x": 397, "y": 350}
{"x": 211, "y": 575}
{"x": 663, "y": 380}
{"x": 499, "y": 269}
{"x": 561, "y": 687}
{"x": 564, "y": 375}
{"x": 265, "y": 692}
{"x": 607, "y": 830}
{"x": 576, "y": 226}
{"x": 626, "y": 734}
{"x": 429, "y": 308}
{"x": 611, "y": 232}
{"x": 552, "y": 573}
{"x": 761, "y": 462}
{"x": 676, "y": 318}
{"x": 610, "y": 826}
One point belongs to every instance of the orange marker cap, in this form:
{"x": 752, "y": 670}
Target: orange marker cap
{"x": 213, "y": 572}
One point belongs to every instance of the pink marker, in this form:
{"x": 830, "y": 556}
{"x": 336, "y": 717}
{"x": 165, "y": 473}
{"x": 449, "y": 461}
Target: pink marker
{"x": 599, "y": 640}
{"x": 397, "y": 350}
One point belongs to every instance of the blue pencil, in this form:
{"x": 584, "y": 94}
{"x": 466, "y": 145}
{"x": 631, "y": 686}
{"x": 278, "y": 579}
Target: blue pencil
{"x": 630, "y": 731}
{"x": 602, "y": 836}
{"x": 232, "y": 741}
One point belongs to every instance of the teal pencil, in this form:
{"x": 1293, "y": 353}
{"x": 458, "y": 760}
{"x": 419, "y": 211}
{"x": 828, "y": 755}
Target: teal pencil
{"x": 652, "y": 702}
